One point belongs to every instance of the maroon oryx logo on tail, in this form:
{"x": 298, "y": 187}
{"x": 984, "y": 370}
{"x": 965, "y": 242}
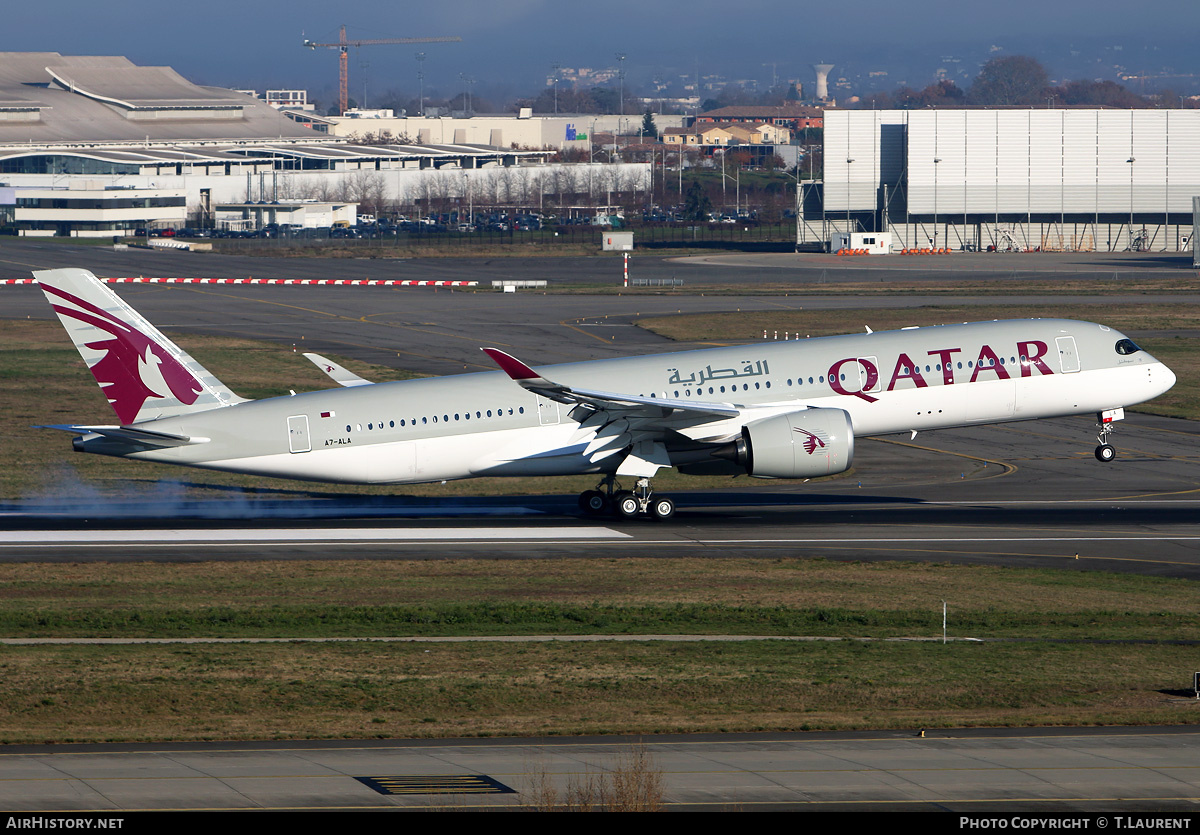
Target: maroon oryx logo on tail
{"x": 134, "y": 367}
{"x": 812, "y": 441}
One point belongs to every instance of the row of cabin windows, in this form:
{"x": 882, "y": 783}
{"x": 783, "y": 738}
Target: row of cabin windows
{"x": 480, "y": 414}
{"x": 821, "y": 378}
{"x": 445, "y": 418}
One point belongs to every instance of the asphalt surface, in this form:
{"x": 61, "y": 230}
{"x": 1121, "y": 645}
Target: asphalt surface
{"x": 1018, "y": 494}
{"x": 1151, "y": 773}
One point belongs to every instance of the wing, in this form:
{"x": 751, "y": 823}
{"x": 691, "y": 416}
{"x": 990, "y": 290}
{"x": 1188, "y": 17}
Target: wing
{"x": 615, "y": 423}
{"x": 652, "y": 407}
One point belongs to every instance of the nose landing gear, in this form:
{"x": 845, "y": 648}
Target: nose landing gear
{"x": 1104, "y": 423}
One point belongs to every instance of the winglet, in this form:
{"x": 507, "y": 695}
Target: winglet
{"x": 526, "y": 377}
{"x": 336, "y": 372}
{"x": 511, "y": 366}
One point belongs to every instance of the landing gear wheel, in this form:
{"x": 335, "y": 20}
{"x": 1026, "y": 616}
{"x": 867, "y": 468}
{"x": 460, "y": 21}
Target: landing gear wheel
{"x": 628, "y": 505}
{"x": 1106, "y": 453}
{"x": 662, "y": 508}
{"x": 592, "y": 502}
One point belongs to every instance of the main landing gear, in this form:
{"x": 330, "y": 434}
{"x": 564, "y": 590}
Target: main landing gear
{"x": 1105, "y": 451}
{"x": 641, "y": 501}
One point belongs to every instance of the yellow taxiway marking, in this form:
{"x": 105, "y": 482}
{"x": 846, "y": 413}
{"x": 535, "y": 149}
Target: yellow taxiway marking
{"x": 1008, "y": 469}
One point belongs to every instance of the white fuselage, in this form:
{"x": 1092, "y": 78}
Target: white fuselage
{"x": 486, "y": 425}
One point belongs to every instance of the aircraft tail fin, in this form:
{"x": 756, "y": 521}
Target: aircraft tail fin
{"x": 143, "y": 374}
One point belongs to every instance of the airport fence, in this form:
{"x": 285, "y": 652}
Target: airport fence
{"x": 759, "y": 237}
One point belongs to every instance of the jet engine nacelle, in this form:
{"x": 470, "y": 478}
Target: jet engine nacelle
{"x": 803, "y": 444}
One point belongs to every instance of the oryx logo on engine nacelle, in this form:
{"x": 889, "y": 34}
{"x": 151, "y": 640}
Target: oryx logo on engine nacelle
{"x": 812, "y": 441}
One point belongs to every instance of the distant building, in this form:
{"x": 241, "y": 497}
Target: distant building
{"x": 797, "y": 117}
{"x": 728, "y": 133}
{"x": 90, "y": 209}
{"x": 289, "y": 100}
{"x": 1041, "y": 179}
{"x": 302, "y": 214}
{"x": 81, "y": 136}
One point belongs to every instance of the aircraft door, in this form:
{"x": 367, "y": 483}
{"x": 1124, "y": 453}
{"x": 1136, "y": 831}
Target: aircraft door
{"x": 860, "y": 375}
{"x": 547, "y": 411}
{"x": 1068, "y": 357}
{"x": 298, "y": 440}
{"x": 868, "y": 374}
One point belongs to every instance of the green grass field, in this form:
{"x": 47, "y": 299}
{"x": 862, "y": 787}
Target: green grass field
{"x": 1041, "y": 663}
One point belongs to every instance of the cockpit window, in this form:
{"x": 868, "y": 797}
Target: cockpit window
{"x": 1126, "y": 346}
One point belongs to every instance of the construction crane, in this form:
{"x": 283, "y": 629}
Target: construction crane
{"x": 343, "y": 47}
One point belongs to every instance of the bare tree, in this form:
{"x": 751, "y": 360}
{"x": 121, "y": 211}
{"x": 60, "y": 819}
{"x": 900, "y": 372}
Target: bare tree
{"x": 1011, "y": 80}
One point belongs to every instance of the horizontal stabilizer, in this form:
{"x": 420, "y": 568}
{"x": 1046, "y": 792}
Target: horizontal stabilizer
{"x": 336, "y": 372}
{"x": 130, "y": 434}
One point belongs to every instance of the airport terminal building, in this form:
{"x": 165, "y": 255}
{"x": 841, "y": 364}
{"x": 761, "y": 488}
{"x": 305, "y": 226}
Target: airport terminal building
{"x": 1052, "y": 180}
{"x": 145, "y": 137}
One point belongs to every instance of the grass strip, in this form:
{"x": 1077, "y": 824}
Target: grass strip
{"x": 365, "y": 598}
{"x": 138, "y": 693}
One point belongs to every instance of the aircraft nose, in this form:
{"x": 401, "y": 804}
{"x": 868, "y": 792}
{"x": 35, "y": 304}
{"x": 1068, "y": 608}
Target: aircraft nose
{"x": 1165, "y": 377}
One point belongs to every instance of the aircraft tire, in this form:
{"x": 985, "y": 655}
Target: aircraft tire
{"x": 593, "y": 502}
{"x": 1106, "y": 453}
{"x": 662, "y": 508}
{"x": 628, "y": 505}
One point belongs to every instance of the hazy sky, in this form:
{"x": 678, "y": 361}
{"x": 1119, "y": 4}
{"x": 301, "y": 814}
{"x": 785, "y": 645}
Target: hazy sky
{"x": 257, "y": 43}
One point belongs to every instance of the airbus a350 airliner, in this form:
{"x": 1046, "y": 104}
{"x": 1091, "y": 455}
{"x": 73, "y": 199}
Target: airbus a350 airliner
{"x": 776, "y": 410}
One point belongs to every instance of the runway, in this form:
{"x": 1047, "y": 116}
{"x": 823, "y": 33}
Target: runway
{"x": 1014, "y": 495}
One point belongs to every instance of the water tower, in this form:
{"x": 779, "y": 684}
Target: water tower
{"x": 822, "y": 71}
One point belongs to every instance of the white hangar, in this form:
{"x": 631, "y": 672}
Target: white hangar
{"x": 1054, "y": 179}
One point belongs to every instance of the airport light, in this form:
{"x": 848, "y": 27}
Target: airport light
{"x": 621, "y": 79}
{"x": 421, "y": 81}
{"x": 554, "y": 78}
{"x": 936, "y": 160}
{"x": 849, "y": 162}
{"x": 1129, "y": 236}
